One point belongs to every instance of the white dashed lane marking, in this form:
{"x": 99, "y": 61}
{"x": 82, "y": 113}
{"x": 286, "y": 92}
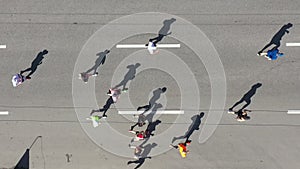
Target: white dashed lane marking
{"x": 156, "y": 112}
{"x": 292, "y": 44}
{"x": 143, "y": 46}
{"x": 293, "y": 112}
{"x": 4, "y": 112}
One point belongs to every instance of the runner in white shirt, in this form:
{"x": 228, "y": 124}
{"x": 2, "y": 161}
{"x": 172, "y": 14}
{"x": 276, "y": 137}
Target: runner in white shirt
{"x": 152, "y": 48}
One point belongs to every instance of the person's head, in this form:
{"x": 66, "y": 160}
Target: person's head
{"x": 45, "y": 52}
{"x": 201, "y": 114}
{"x": 157, "y": 122}
{"x": 173, "y": 19}
{"x": 169, "y": 21}
{"x": 164, "y": 89}
{"x": 257, "y": 85}
{"x": 153, "y": 145}
{"x": 137, "y": 65}
{"x": 106, "y": 51}
{"x": 289, "y": 25}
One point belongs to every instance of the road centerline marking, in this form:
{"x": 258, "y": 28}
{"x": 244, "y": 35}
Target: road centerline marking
{"x": 292, "y": 44}
{"x": 4, "y": 112}
{"x": 156, "y": 112}
{"x": 293, "y": 112}
{"x": 2, "y": 46}
{"x": 120, "y": 46}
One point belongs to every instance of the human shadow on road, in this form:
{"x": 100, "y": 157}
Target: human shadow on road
{"x": 277, "y": 37}
{"x": 247, "y": 97}
{"x": 147, "y": 149}
{"x": 151, "y": 128}
{"x": 164, "y": 31}
{"x": 35, "y": 63}
{"x": 194, "y": 126}
{"x": 149, "y": 116}
{"x": 156, "y": 95}
{"x": 104, "y": 109}
{"x": 100, "y": 60}
{"x": 130, "y": 75}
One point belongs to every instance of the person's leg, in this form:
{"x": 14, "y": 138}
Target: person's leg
{"x": 177, "y": 138}
{"x": 93, "y": 111}
{"x": 263, "y": 54}
{"x": 152, "y": 39}
{"x": 146, "y": 107}
{"x": 187, "y": 140}
{"x": 23, "y": 71}
{"x": 172, "y": 146}
{"x": 120, "y": 84}
{"x": 237, "y": 103}
{"x": 248, "y": 102}
{"x": 92, "y": 68}
{"x": 277, "y": 45}
{"x": 32, "y": 71}
{"x": 132, "y": 127}
{"x": 268, "y": 45}
{"x": 124, "y": 85}
{"x": 140, "y": 163}
{"x": 130, "y": 162}
{"x": 158, "y": 39}
{"x": 95, "y": 69}
{"x": 104, "y": 110}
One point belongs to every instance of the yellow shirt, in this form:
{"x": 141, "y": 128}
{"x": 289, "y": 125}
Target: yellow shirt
{"x": 182, "y": 150}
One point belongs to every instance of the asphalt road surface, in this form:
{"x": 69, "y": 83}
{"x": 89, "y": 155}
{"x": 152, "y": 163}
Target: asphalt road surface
{"x": 218, "y": 63}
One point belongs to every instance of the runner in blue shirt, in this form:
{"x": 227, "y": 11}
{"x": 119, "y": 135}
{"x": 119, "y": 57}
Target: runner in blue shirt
{"x": 272, "y": 54}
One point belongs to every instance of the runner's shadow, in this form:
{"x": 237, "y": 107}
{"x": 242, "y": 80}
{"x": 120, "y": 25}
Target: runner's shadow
{"x": 100, "y": 60}
{"x": 151, "y": 128}
{"x": 156, "y": 95}
{"x": 104, "y": 109}
{"x": 277, "y": 37}
{"x": 35, "y": 63}
{"x": 164, "y": 31}
{"x": 247, "y": 97}
{"x": 149, "y": 116}
{"x": 194, "y": 126}
{"x": 144, "y": 155}
{"x": 130, "y": 75}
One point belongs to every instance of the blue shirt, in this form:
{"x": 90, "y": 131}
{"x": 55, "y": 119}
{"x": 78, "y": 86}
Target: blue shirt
{"x": 273, "y": 54}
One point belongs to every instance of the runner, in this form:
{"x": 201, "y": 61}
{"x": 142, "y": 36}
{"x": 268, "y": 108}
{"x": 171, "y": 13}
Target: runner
{"x": 137, "y": 151}
{"x": 272, "y": 54}
{"x": 151, "y": 47}
{"x": 95, "y": 120}
{"x": 115, "y": 94}
{"x": 17, "y": 80}
{"x": 182, "y": 147}
{"x": 139, "y": 135}
{"x": 140, "y": 122}
{"x": 241, "y": 114}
